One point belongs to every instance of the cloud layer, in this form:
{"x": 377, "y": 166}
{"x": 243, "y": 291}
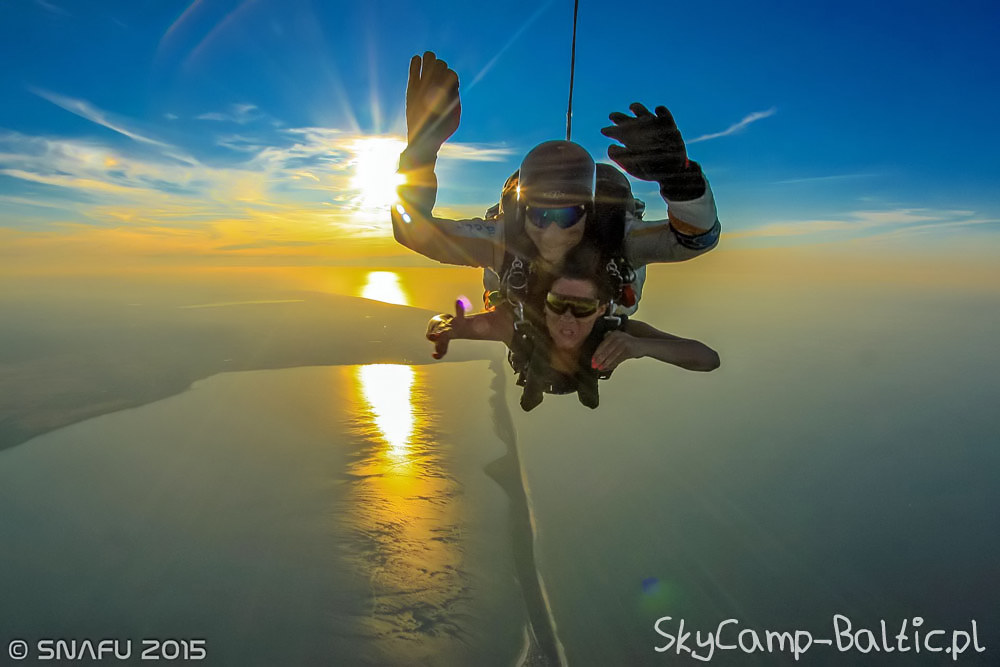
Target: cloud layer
{"x": 867, "y": 224}
{"x": 266, "y": 186}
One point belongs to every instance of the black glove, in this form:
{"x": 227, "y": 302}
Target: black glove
{"x": 442, "y": 328}
{"x": 433, "y": 108}
{"x": 653, "y": 150}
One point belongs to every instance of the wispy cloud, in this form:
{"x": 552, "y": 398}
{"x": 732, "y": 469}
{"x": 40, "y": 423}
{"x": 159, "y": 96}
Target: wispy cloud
{"x": 49, "y": 7}
{"x": 103, "y": 118}
{"x": 241, "y": 114}
{"x": 737, "y": 127}
{"x": 274, "y": 187}
{"x": 277, "y": 189}
{"x": 939, "y": 226}
{"x": 93, "y": 114}
{"x": 867, "y": 224}
{"x": 28, "y": 201}
{"x": 66, "y": 181}
{"x": 827, "y": 178}
{"x": 476, "y": 153}
{"x": 239, "y": 142}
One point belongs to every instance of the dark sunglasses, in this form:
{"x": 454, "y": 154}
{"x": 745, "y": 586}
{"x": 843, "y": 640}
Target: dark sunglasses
{"x": 564, "y": 217}
{"x": 577, "y": 305}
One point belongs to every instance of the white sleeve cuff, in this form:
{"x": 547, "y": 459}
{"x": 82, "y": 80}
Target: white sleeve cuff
{"x": 700, "y": 212}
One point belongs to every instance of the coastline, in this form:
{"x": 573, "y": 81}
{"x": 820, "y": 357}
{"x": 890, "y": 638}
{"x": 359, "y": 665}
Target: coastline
{"x": 130, "y": 357}
{"x": 544, "y": 647}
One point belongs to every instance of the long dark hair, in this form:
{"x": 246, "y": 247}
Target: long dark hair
{"x": 584, "y": 262}
{"x": 587, "y": 262}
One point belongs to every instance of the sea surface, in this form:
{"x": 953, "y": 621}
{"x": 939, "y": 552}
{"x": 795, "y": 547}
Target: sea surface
{"x": 840, "y": 467}
{"x": 319, "y": 515}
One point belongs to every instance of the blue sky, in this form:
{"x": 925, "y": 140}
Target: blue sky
{"x": 816, "y": 122}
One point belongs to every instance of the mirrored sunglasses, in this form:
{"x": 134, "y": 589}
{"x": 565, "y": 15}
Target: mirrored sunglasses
{"x": 564, "y": 217}
{"x": 576, "y": 305}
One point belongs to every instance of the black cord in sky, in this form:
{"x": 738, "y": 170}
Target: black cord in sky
{"x": 572, "y": 70}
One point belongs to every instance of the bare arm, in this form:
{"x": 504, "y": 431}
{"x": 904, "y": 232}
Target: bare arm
{"x": 639, "y": 339}
{"x": 491, "y": 325}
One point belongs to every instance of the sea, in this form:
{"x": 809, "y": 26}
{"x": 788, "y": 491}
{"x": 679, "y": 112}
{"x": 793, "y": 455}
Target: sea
{"x": 827, "y": 497}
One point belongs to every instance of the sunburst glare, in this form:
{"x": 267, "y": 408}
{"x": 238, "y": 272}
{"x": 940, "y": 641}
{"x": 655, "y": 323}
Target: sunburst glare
{"x": 375, "y": 177}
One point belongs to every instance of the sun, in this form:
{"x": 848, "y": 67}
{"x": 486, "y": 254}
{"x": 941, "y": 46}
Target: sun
{"x": 375, "y": 177}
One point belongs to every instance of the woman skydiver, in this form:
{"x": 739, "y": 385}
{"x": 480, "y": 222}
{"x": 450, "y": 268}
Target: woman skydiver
{"x": 574, "y": 340}
{"x": 554, "y": 208}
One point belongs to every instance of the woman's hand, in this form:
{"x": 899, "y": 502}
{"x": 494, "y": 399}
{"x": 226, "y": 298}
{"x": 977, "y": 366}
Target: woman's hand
{"x": 616, "y": 347}
{"x": 442, "y": 328}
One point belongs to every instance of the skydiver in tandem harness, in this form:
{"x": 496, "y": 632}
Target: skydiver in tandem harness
{"x": 572, "y": 341}
{"x": 568, "y": 203}
{"x": 550, "y": 205}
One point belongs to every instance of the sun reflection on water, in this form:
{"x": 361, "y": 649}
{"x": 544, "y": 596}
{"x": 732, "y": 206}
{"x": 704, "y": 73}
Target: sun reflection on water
{"x": 387, "y": 388}
{"x": 405, "y": 515}
{"x": 384, "y": 286}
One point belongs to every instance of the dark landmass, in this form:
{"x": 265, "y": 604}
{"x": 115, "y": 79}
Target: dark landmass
{"x": 62, "y": 362}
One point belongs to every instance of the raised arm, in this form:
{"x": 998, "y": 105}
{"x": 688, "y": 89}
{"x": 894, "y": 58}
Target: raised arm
{"x": 653, "y": 150}
{"x": 638, "y": 339}
{"x": 433, "y": 111}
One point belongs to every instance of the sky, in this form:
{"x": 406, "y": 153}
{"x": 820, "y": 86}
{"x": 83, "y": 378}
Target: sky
{"x": 265, "y": 131}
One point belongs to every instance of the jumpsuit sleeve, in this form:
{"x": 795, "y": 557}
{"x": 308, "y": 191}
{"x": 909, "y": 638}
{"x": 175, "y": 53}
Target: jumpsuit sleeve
{"x": 692, "y": 228}
{"x": 471, "y": 242}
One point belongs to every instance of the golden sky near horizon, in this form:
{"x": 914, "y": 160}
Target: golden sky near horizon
{"x": 155, "y": 234}
{"x": 307, "y": 252}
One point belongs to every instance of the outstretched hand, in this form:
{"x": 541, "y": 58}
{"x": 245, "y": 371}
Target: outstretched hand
{"x": 616, "y": 347}
{"x": 442, "y": 328}
{"x": 433, "y": 107}
{"x": 653, "y": 149}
